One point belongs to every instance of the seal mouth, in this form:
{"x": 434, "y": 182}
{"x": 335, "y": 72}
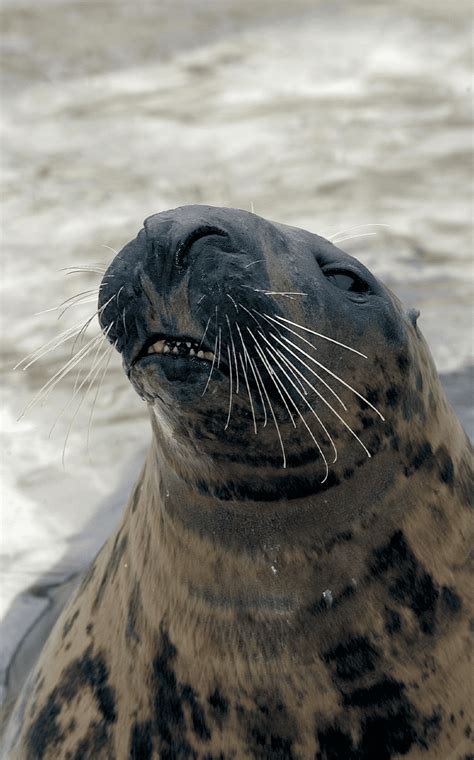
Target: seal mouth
{"x": 174, "y": 348}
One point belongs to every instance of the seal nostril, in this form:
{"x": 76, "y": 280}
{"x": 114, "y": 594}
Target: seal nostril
{"x": 197, "y": 234}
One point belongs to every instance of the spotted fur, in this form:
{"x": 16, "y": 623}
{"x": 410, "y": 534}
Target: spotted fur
{"x": 248, "y": 610}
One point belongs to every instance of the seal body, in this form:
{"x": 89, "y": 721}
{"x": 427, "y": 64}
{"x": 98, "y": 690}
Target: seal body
{"x": 291, "y": 575}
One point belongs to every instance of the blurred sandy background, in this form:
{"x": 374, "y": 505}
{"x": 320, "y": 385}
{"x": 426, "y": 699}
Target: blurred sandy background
{"x": 322, "y": 114}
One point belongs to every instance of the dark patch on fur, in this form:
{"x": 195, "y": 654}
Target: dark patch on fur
{"x": 90, "y": 671}
{"x": 393, "y": 621}
{"x": 169, "y": 697}
{"x": 445, "y": 466}
{"x": 410, "y": 584}
{"x": 94, "y": 741}
{"x": 45, "y": 731}
{"x": 289, "y": 487}
{"x": 141, "y": 743}
{"x": 134, "y": 612}
{"x": 218, "y": 703}
{"x": 136, "y": 495}
{"x": 69, "y": 623}
{"x": 87, "y": 671}
{"x": 451, "y": 601}
{"x": 403, "y": 362}
{"x": 352, "y": 658}
{"x": 197, "y": 715}
{"x": 420, "y": 457}
{"x": 118, "y": 549}
{"x": 392, "y": 396}
{"x": 269, "y": 729}
{"x": 389, "y": 725}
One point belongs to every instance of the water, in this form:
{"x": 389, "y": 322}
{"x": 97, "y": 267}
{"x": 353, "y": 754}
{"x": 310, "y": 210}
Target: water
{"x": 325, "y": 115}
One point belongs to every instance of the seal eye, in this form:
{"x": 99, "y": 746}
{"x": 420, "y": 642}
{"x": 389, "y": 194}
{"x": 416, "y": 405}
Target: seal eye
{"x": 348, "y": 281}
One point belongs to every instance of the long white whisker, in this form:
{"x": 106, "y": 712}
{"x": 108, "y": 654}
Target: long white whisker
{"x": 341, "y": 419}
{"x": 336, "y": 241}
{"x": 89, "y": 424}
{"x": 204, "y": 333}
{"x": 49, "y": 346}
{"x": 330, "y": 372}
{"x": 313, "y": 332}
{"x": 334, "y": 235}
{"x": 93, "y": 378}
{"x": 234, "y": 355}
{"x": 326, "y": 466}
{"x": 277, "y": 427}
{"x": 219, "y": 349}
{"x": 77, "y": 387}
{"x": 271, "y": 373}
{"x": 212, "y": 367}
{"x": 76, "y": 298}
{"x": 311, "y": 370}
{"x": 249, "y": 393}
{"x": 258, "y": 382}
{"x": 53, "y": 381}
{"x": 235, "y": 305}
{"x": 230, "y": 389}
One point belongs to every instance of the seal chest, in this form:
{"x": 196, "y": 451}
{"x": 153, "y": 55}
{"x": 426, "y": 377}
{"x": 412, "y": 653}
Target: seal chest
{"x": 290, "y": 578}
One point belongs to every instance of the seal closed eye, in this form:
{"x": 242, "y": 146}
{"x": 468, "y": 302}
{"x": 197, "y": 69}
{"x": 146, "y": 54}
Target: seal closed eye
{"x": 290, "y": 578}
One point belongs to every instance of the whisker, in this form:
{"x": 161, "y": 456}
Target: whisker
{"x": 77, "y": 297}
{"x": 234, "y": 355}
{"x": 248, "y": 390}
{"x": 81, "y": 401}
{"x": 86, "y": 324}
{"x": 352, "y": 237}
{"x": 55, "y": 342}
{"x": 255, "y": 371}
{"x": 109, "y": 248}
{"x": 212, "y": 367}
{"x": 235, "y": 305}
{"x": 219, "y": 349}
{"x": 271, "y": 373}
{"x": 330, "y": 372}
{"x": 277, "y": 427}
{"x": 77, "y": 387}
{"x": 321, "y": 379}
{"x": 260, "y": 384}
{"x": 341, "y": 419}
{"x": 89, "y": 424}
{"x": 204, "y": 333}
{"x": 334, "y": 235}
{"x": 258, "y": 261}
{"x": 316, "y": 442}
{"x": 230, "y": 389}
{"x": 288, "y": 293}
{"x": 97, "y": 269}
{"x": 250, "y": 314}
{"x": 313, "y": 332}
{"x": 53, "y": 381}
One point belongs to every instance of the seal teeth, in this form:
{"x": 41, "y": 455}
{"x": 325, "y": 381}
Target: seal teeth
{"x": 157, "y": 348}
{"x": 180, "y": 348}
